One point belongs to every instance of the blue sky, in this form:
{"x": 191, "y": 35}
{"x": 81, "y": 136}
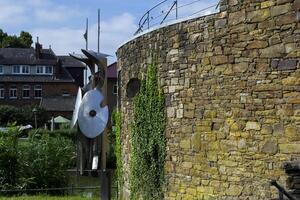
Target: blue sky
{"x": 61, "y": 23}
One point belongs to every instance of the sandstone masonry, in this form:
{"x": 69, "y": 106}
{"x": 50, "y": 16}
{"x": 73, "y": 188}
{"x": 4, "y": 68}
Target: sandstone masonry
{"x": 232, "y": 87}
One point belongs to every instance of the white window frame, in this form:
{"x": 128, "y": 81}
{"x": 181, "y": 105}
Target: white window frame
{"x": 49, "y": 67}
{"x": 2, "y": 92}
{"x": 13, "y": 90}
{"x": 1, "y": 69}
{"x": 41, "y": 67}
{"x": 26, "y": 88}
{"x": 16, "y": 67}
{"x": 38, "y": 88}
{"x": 21, "y": 69}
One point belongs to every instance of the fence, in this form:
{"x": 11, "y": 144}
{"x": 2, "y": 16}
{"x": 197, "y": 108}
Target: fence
{"x": 169, "y": 10}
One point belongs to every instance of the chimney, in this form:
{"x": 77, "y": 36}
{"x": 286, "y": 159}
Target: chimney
{"x": 38, "y": 49}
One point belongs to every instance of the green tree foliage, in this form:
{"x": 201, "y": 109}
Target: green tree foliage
{"x": 23, "y": 41}
{"x": 148, "y": 141}
{"x": 22, "y": 116}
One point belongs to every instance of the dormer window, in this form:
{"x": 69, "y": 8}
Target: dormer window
{"x": 48, "y": 70}
{"x": 16, "y": 69}
{"x": 39, "y": 69}
{"x": 21, "y": 69}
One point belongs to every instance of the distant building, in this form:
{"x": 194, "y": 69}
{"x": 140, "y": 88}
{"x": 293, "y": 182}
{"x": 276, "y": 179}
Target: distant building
{"x": 36, "y": 76}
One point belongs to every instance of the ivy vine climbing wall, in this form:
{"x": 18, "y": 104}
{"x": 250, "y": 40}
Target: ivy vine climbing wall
{"x": 148, "y": 140}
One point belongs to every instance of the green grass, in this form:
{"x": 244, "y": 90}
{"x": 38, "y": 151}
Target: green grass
{"x": 48, "y": 198}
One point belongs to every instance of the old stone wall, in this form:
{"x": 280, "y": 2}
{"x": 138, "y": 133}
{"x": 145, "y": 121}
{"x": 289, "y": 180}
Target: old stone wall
{"x": 232, "y": 87}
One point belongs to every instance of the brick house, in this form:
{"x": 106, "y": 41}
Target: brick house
{"x": 36, "y": 76}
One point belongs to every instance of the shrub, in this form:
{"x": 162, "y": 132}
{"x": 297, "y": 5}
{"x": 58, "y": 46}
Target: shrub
{"x": 22, "y": 116}
{"x": 39, "y": 162}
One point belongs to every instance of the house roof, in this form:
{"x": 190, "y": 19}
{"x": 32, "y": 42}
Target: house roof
{"x": 68, "y": 61}
{"x": 58, "y": 103}
{"x": 112, "y": 71}
{"x": 26, "y": 56}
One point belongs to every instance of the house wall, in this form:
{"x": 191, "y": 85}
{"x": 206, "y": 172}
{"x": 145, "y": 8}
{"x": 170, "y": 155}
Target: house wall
{"x": 48, "y": 90}
{"x": 231, "y": 86}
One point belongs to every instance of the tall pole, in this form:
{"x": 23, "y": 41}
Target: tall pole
{"x": 98, "y": 30}
{"x": 86, "y": 46}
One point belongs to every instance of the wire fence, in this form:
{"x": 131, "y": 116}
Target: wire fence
{"x": 169, "y": 10}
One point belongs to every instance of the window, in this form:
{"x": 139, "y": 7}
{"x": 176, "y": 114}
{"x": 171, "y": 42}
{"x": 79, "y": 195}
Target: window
{"x": 25, "y": 69}
{"x": 1, "y": 69}
{"x": 13, "y": 92}
{"x": 48, "y": 69}
{"x": 39, "y": 69}
{"x": 16, "y": 69}
{"x": 66, "y": 94}
{"x": 37, "y": 91}
{"x": 115, "y": 89}
{"x": 44, "y": 70}
{"x": 26, "y": 92}
{"x": 20, "y": 69}
{"x": 1, "y": 92}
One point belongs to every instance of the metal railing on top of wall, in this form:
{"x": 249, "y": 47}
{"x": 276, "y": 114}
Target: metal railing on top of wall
{"x": 168, "y": 10}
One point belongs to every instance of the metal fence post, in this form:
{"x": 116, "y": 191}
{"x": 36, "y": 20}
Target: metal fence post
{"x": 176, "y": 2}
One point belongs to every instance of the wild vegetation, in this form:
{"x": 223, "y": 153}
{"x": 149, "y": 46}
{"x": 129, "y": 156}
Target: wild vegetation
{"x": 39, "y": 162}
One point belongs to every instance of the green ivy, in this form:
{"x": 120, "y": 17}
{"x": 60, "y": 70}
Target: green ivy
{"x": 116, "y": 116}
{"x": 148, "y": 140}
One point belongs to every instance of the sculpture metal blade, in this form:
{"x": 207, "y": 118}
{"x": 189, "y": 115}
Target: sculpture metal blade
{"x": 76, "y": 109}
{"x": 92, "y": 118}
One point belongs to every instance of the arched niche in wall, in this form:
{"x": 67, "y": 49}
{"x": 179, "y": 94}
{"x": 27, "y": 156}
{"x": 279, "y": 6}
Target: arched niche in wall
{"x": 133, "y": 87}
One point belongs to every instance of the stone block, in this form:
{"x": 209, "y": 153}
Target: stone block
{"x": 234, "y": 190}
{"x": 236, "y": 17}
{"x": 258, "y": 15}
{"x": 273, "y": 51}
{"x": 221, "y": 23}
{"x": 257, "y": 44}
{"x": 240, "y": 67}
{"x": 292, "y": 133}
{"x": 170, "y": 112}
{"x": 286, "y": 19}
{"x": 287, "y": 64}
{"x": 266, "y": 4}
{"x": 289, "y": 148}
{"x": 270, "y": 147}
{"x": 279, "y": 10}
{"x": 291, "y": 81}
{"x": 196, "y": 142}
{"x": 185, "y": 144}
{"x": 253, "y": 126}
{"x": 179, "y": 113}
{"x": 218, "y": 60}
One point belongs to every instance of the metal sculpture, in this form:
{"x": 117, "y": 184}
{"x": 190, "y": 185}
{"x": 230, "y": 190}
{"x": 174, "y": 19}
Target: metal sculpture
{"x": 90, "y": 111}
{"x": 92, "y": 118}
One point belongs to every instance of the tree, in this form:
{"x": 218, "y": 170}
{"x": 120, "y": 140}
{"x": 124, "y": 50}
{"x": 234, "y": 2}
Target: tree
{"x": 23, "y": 41}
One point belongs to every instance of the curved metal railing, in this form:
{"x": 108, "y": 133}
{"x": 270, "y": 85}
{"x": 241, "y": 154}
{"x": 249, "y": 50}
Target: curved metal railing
{"x": 167, "y": 8}
{"x": 281, "y": 191}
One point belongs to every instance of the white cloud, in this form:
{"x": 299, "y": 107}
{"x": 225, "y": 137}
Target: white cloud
{"x": 55, "y": 14}
{"x": 67, "y": 40}
{"x": 12, "y": 14}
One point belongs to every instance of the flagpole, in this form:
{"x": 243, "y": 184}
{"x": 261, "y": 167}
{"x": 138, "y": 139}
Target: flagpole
{"x": 98, "y": 30}
{"x": 86, "y": 46}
